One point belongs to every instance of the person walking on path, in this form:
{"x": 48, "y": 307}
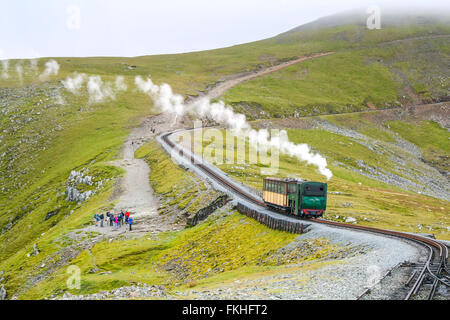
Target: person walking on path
{"x": 96, "y": 218}
{"x": 130, "y": 222}
{"x": 102, "y": 218}
{"x": 127, "y": 216}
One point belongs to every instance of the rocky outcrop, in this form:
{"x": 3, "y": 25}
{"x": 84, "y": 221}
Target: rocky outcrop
{"x": 81, "y": 178}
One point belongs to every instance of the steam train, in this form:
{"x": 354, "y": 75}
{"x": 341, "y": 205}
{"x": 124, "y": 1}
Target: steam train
{"x": 304, "y": 199}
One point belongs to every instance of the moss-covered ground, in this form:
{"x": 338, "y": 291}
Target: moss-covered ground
{"x": 46, "y": 132}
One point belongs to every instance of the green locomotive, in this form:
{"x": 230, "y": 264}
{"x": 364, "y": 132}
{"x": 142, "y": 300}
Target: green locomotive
{"x": 297, "y": 197}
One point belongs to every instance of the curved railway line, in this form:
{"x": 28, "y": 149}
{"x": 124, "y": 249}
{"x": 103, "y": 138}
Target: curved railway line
{"x": 435, "y": 268}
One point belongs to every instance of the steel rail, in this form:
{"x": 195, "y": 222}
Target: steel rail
{"x": 427, "y": 242}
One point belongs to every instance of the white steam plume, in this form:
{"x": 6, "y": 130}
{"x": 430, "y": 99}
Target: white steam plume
{"x": 34, "y": 66}
{"x": 58, "y": 98}
{"x": 5, "y": 67}
{"x": 171, "y": 103}
{"x": 120, "y": 83}
{"x": 74, "y": 84}
{"x": 98, "y": 90}
{"x": 19, "y": 70}
{"x": 51, "y": 68}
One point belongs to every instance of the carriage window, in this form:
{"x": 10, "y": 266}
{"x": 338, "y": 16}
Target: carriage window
{"x": 291, "y": 188}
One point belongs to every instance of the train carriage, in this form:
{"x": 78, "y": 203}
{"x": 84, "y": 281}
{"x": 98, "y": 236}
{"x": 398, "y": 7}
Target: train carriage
{"x": 297, "y": 197}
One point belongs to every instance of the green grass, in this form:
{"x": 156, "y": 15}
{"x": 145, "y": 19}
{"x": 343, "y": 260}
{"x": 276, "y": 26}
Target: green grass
{"x": 40, "y": 153}
{"x": 226, "y": 246}
{"x": 352, "y": 79}
{"x": 427, "y": 135}
{"x": 337, "y": 83}
{"x": 373, "y": 203}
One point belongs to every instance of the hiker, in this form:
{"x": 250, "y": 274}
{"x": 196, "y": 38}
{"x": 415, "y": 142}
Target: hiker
{"x": 116, "y": 223}
{"x": 130, "y": 222}
{"x": 127, "y": 216}
{"x": 96, "y": 218}
{"x": 121, "y": 217}
{"x": 108, "y": 218}
{"x": 102, "y": 218}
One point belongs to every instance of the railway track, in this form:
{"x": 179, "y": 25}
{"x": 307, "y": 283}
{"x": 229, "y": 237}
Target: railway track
{"x": 435, "y": 268}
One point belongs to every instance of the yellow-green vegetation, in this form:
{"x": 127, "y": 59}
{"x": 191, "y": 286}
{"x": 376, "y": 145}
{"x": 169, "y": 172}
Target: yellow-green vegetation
{"x": 372, "y": 202}
{"x": 164, "y": 173}
{"x": 342, "y": 82}
{"x": 46, "y": 132}
{"x": 222, "y": 245}
{"x": 352, "y": 79}
{"x": 230, "y": 246}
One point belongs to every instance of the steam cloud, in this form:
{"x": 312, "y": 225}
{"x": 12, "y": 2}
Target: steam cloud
{"x": 120, "y": 84}
{"x": 5, "y": 66}
{"x": 171, "y": 103}
{"x": 74, "y": 84}
{"x": 98, "y": 90}
{"x": 19, "y": 70}
{"x": 34, "y": 66}
{"x": 51, "y": 68}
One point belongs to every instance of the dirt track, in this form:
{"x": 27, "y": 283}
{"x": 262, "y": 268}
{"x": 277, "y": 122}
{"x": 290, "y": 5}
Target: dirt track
{"x": 220, "y": 88}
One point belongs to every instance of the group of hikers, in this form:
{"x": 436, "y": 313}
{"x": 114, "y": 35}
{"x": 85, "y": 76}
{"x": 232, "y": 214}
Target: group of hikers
{"x": 116, "y": 221}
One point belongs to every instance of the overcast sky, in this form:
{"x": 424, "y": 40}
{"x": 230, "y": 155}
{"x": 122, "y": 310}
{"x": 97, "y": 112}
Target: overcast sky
{"x": 55, "y": 28}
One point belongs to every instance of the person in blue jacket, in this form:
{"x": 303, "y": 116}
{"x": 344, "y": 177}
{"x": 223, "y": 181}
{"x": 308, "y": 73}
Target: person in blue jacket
{"x": 130, "y": 222}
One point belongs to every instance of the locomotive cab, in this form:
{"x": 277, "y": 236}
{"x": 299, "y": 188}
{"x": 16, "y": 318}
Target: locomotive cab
{"x": 296, "y": 197}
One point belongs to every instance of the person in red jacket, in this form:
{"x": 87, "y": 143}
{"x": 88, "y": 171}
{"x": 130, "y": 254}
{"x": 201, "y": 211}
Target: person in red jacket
{"x": 127, "y": 216}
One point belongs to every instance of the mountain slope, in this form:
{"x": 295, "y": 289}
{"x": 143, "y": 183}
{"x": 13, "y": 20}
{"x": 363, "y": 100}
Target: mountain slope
{"x": 47, "y": 132}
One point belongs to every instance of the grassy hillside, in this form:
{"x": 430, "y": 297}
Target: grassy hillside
{"x": 379, "y": 178}
{"x": 47, "y": 132}
{"x": 353, "y": 79}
